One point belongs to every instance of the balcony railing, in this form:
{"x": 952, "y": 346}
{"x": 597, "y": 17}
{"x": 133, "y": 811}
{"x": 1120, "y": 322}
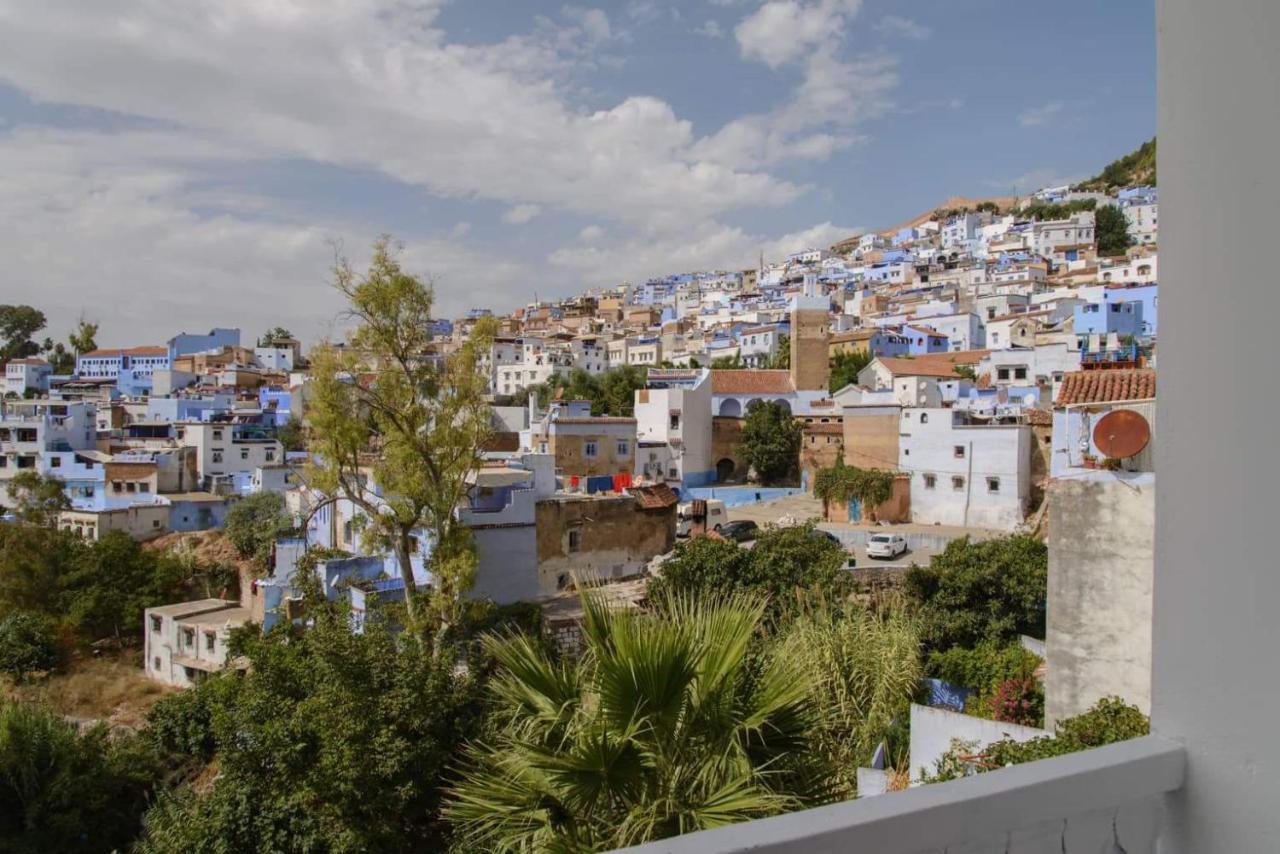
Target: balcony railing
{"x": 1106, "y": 799}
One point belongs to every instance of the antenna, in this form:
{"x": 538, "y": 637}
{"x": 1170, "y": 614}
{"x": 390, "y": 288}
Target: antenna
{"x": 1121, "y": 433}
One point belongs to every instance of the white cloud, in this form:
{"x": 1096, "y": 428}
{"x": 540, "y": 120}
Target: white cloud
{"x": 375, "y": 84}
{"x": 591, "y": 234}
{"x": 782, "y": 31}
{"x": 895, "y": 25}
{"x": 91, "y": 230}
{"x": 1037, "y": 116}
{"x": 460, "y": 229}
{"x": 593, "y": 23}
{"x": 710, "y": 28}
{"x": 521, "y": 214}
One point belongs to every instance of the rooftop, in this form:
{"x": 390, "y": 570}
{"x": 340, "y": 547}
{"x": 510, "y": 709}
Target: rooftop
{"x": 733, "y": 381}
{"x": 1106, "y": 386}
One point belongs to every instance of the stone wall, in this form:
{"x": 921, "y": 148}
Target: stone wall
{"x": 600, "y": 537}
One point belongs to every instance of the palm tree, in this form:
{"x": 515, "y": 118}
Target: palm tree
{"x": 671, "y": 721}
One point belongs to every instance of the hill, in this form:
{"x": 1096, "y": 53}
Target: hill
{"x": 1137, "y": 168}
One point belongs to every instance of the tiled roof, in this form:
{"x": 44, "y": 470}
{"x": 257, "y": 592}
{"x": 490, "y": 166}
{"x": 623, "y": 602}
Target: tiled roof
{"x": 918, "y": 367}
{"x": 1039, "y": 417}
{"x": 732, "y": 381}
{"x": 654, "y": 497}
{"x": 1104, "y": 386}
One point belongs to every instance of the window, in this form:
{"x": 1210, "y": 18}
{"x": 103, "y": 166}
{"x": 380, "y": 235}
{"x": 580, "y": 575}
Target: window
{"x": 144, "y": 487}
{"x": 623, "y": 448}
{"x": 542, "y": 447}
{"x": 217, "y": 434}
{"x": 589, "y": 449}
{"x": 155, "y": 662}
{"x": 188, "y": 637}
{"x": 1002, "y": 373}
{"x": 270, "y": 455}
{"x": 210, "y": 641}
{"x": 1019, "y": 373}
{"x": 930, "y": 481}
{"x": 244, "y": 453}
{"x": 959, "y": 452}
{"x": 575, "y": 539}
{"x": 155, "y": 523}
{"x": 117, "y": 486}
{"x": 924, "y": 418}
{"x": 55, "y": 462}
{"x": 993, "y": 484}
{"x": 217, "y": 455}
{"x": 675, "y": 421}
{"x": 957, "y": 483}
{"x": 673, "y": 472}
{"x": 156, "y": 623}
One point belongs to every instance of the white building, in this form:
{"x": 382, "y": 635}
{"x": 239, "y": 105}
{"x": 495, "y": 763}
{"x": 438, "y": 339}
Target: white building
{"x": 37, "y": 435}
{"x": 188, "y": 640}
{"x": 1143, "y": 222}
{"x": 107, "y": 364}
{"x": 965, "y": 474}
{"x": 965, "y": 331}
{"x": 673, "y": 428}
{"x": 274, "y": 358}
{"x": 227, "y": 453}
{"x": 1051, "y": 236}
{"x": 759, "y": 344}
{"x": 23, "y": 374}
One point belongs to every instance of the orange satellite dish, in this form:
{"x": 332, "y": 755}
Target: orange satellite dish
{"x": 1121, "y": 433}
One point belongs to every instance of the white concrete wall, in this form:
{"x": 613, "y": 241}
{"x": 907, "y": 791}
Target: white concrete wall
{"x": 1216, "y": 634}
{"x": 933, "y": 730}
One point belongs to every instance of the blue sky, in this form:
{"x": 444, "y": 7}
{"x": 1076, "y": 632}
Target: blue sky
{"x": 176, "y": 164}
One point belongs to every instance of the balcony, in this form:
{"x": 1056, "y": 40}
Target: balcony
{"x": 1101, "y": 800}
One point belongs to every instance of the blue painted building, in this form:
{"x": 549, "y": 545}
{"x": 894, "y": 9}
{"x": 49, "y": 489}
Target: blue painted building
{"x": 921, "y": 341}
{"x": 186, "y": 343}
{"x": 1120, "y": 317}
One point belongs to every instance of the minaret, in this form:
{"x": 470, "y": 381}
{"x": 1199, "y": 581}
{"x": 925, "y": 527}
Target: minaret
{"x": 810, "y": 370}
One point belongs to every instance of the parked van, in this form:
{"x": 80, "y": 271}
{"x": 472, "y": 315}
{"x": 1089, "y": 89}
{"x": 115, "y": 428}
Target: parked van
{"x": 717, "y": 516}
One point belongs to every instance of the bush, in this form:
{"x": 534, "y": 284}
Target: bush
{"x": 982, "y": 667}
{"x": 254, "y": 523}
{"x": 28, "y": 644}
{"x": 1019, "y": 701}
{"x": 182, "y": 723}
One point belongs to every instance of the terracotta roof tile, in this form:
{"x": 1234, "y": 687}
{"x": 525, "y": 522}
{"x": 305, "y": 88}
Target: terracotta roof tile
{"x": 654, "y": 497}
{"x": 128, "y": 351}
{"x": 732, "y": 381}
{"x": 1104, "y": 386}
{"x": 1039, "y": 417}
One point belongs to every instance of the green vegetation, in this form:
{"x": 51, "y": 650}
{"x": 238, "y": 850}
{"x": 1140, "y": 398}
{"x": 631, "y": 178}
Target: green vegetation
{"x": 1109, "y": 721}
{"x": 428, "y": 423}
{"x": 781, "y": 360}
{"x": 65, "y": 791}
{"x": 982, "y": 668}
{"x": 1112, "y": 231}
{"x": 292, "y": 435}
{"x": 611, "y": 393}
{"x": 839, "y": 483}
{"x": 771, "y": 441}
{"x": 782, "y": 562}
{"x": 18, "y": 326}
{"x": 973, "y": 592}
{"x": 1057, "y": 210}
{"x": 845, "y": 367}
{"x": 1137, "y": 168}
{"x": 253, "y": 525}
{"x": 28, "y": 644}
{"x": 276, "y": 333}
{"x": 728, "y": 363}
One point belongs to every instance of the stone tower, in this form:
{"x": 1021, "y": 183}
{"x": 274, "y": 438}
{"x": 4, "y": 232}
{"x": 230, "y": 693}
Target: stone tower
{"x": 809, "y": 319}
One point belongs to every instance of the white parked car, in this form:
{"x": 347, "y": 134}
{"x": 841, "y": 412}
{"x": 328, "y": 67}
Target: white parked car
{"x": 886, "y": 545}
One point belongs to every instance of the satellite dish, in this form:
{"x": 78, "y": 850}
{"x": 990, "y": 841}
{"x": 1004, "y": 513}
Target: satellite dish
{"x": 1121, "y": 433}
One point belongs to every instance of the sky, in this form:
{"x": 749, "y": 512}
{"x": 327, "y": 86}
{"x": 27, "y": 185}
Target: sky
{"x": 173, "y": 165}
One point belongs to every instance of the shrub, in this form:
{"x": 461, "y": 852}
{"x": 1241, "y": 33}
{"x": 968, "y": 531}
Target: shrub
{"x": 1019, "y": 701}
{"x": 982, "y": 667}
{"x": 28, "y": 644}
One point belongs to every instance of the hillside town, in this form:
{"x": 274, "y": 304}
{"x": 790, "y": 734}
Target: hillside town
{"x": 982, "y": 375}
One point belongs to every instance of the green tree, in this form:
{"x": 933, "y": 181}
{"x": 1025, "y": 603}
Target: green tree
{"x": 727, "y": 363}
{"x": 865, "y": 669}
{"x": 1112, "y": 230}
{"x": 845, "y": 367}
{"x": 981, "y": 591}
{"x": 276, "y": 333}
{"x": 32, "y": 563}
{"x": 18, "y": 326}
{"x": 108, "y": 585}
{"x": 783, "y": 562}
{"x": 62, "y": 791}
{"x": 28, "y": 644}
{"x": 332, "y": 740}
{"x": 665, "y": 725}
{"x": 423, "y": 417}
{"x": 84, "y": 339}
{"x": 781, "y": 360}
{"x": 37, "y": 500}
{"x": 771, "y": 440}
{"x": 253, "y": 525}
{"x": 292, "y": 435}
{"x": 618, "y": 388}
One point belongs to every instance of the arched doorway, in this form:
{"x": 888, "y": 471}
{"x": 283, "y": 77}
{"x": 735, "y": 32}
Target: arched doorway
{"x": 730, "y": 408}
{"x": 724, "y": 470}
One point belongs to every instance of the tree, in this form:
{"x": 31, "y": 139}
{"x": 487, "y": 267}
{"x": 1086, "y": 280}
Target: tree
{"x": 665, "y": 725}
{"x": 332, "y": 740}
{"x": 83, "y": 339}
{"x": 292, "y": 435}
{"x": 781, "y": 359}
{"x": 18, "y": 326}
{"x": 770, "y": 440}
{"x": 782, "y": 562}
{"x": 63, "y": 791}
{"x": 108, "y": 585}
{"x": 981, "y": 591}
{"x": 276, "y": 333}
{"x": 865, "y": 671}
{"x": 253, "y": 525}
{"x": 1112, "y": 230}
{"x": 727, "y": 363}
{"x": 845, "y": 367}
{"x": 60, "y": 359}
{"x": 618, "y": 388}
{"x": 396, "y": 427}
{"x": 28, "y": 644}
{"x": 37, "y": 499}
